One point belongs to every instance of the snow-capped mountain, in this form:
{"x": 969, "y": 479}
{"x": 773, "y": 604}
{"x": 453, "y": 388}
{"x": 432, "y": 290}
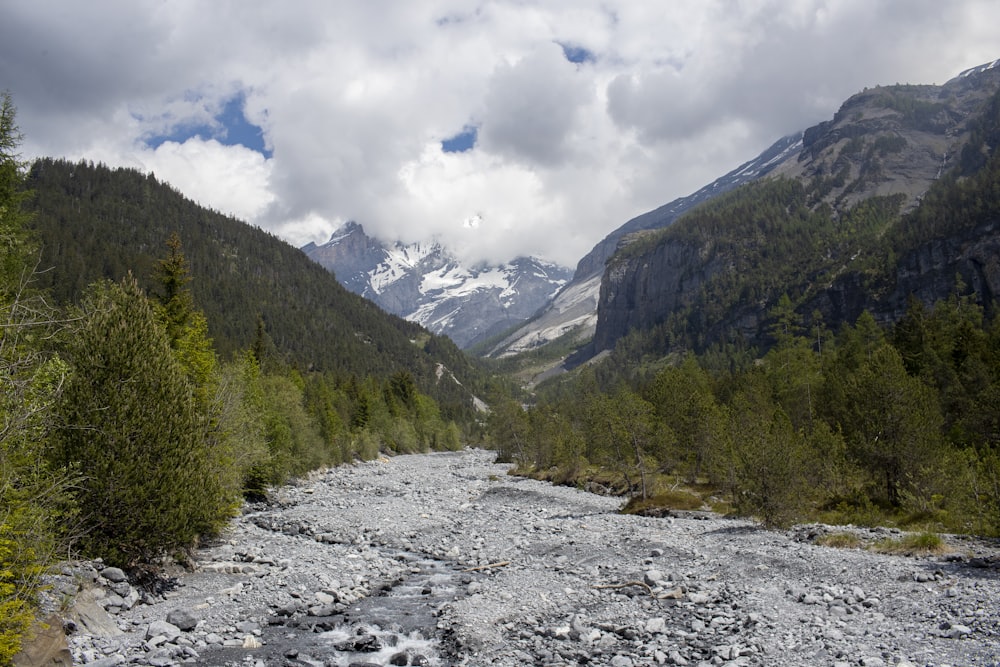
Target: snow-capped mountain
{"x": 425, "y": 283}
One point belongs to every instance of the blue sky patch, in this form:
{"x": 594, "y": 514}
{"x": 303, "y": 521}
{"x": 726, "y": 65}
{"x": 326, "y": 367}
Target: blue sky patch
{"x": 461, "y": 142}
{"x": 230, "y": 129}
{"x": 577, "y": 54}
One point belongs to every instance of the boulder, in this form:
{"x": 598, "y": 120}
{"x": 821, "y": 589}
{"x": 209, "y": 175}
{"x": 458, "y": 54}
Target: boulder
{"x": 183, "y": 619}
{"x": 47, "y": 649}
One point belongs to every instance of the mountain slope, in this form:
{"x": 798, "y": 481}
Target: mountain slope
{"x": 94, "y": 222}
{"x": 424, "y": 283}
{"x": 893, "y": 197}
{"x": 573, "y": 311}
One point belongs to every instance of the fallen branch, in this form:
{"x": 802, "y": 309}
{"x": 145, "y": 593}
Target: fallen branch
{"x": 502, "y": 563}
{"x": 627, "y": 584}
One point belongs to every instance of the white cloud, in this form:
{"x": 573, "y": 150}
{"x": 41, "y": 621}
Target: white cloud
{"x": 354, "y": 99}
{"x": 231, "y": 179}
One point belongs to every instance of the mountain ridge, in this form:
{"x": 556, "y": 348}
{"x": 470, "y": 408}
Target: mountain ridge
{"x": 841, "y": 228}
{"x": 891, "y": 166}
{"x": 425, "y": 283}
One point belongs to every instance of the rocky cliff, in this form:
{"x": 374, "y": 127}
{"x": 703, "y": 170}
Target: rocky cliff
{"x": 573, "y": 311}
{"x": 837, "y": 247}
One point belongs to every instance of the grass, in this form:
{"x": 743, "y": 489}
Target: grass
{"x": 913, "y": 544}
{"x": 674, "y": 499}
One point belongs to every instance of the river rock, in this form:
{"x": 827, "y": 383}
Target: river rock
{"x": 114, "y": 575}
{"x": 168, "y": 631}
{"x": 184, "y": 619}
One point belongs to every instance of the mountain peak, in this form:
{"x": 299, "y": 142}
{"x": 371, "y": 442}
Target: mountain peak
{"x": 424, "y": 282}
{"x": 979, "y": 69}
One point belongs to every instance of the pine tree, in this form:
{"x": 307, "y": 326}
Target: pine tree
{"x": 132, "y": 428}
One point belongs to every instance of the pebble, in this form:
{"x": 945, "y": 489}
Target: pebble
{"x": 551, "y": 582}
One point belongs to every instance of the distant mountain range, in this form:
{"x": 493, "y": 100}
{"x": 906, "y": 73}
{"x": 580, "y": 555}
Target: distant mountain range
{"x": 427, "y": 284}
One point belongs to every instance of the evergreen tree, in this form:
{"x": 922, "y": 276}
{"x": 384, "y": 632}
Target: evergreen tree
{"x": 684, "y": 401}
{"x": 633, "y": 444}
{"x": 15, "y": 247}
{"x": 129, "y": 423}
{"x": 892, "y": 424}
{"x": 768, "y": 471}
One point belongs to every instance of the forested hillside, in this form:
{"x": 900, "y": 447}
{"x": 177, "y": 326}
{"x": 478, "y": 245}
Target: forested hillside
{"x": 712, "y": 277}
{"x": 93, "y": 222}
{"x": 777, "y": 356}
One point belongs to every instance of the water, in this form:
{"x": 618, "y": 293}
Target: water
{"x": 396, "y": 625}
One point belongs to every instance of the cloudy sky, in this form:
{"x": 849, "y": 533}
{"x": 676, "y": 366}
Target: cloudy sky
{"x": 501, "y": 128}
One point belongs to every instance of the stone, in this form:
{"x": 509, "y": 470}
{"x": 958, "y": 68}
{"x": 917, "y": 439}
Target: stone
{"x": 112, "y": 601}
{"x": 90, "y": 617}
{"x": 114, "y": 574}
{"x": 247, "y": 627}
{"x": 322, "y": 610}
{"x": 48, "y": 648}
{"x": 163, "y": 629}
{"x": 112, "y": 661}
{"x": 956, "y": 631}
{"x": 183, "y": 619}
{"x": 656, "y": 626}
{"x": 652, "y": 577}
{"x": 360, "y": 644}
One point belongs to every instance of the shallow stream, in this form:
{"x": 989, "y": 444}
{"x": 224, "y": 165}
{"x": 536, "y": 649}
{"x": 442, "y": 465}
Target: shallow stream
{"x": 396, "y": 625}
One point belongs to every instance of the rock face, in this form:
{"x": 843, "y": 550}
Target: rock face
{"x": 640, "y": 294}
{"x": 424, "y": 283}
{"x": 927, "y": 273}
{"x": 574, "y": 308}
{"x": 885, "y": 141}
{"x": 445, "y": 559}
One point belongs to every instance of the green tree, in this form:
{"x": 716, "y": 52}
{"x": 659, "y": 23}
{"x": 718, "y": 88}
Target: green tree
{"x": 129, "y": 423}
{"x": 510, "y": 431}
{"x": 685, "y": 403}
{"x": 16, "y": 249}
{"x": 624, "y": 427}
{"x": 186, "y": 326}
{"x": 893, "y": 424}
{"x": 768, "y": 470}
{"x": 33, "y": 498}
{"x": 294, "y": 441}
{"x": 240, "y": 422}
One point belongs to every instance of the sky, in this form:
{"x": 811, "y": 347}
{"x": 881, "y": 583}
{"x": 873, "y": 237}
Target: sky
{"x": 499, "y": 128}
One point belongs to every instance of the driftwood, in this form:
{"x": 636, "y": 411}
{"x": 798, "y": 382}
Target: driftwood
{"x": 641, "y": 584}
{"x": 674, "y": 594}
{"x": 503, "y": 563}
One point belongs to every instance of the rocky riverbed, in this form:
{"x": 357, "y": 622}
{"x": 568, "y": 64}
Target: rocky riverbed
{"x": 444, "y": 559}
